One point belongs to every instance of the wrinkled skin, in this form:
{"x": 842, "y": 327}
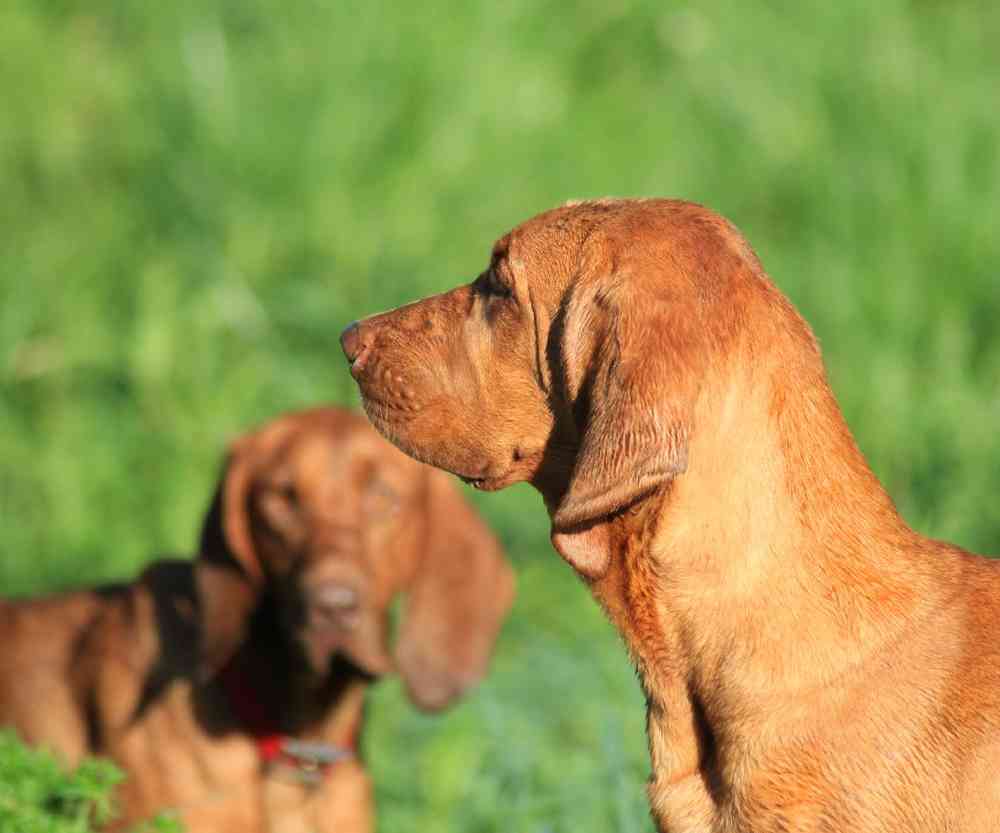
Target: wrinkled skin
{"x": 409, "y": 398}
{"x": 544, "y": 349}
{"x": 810, "y": 663}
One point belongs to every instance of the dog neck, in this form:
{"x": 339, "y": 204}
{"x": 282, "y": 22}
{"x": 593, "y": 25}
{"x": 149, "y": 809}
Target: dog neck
{"x": 773, "y": 566}
{"x": 779, "y": 525}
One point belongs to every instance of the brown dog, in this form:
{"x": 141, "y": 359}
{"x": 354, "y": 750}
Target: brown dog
{"x": 810, "y": 663}
{"x": 232, "y": 688}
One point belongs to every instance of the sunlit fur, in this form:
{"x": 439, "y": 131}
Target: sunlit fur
{"x": 810, "y": 662}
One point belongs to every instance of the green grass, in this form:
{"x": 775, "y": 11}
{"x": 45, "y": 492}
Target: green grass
{"x": 197, "y": 197}
{"x": 38, "y": 794}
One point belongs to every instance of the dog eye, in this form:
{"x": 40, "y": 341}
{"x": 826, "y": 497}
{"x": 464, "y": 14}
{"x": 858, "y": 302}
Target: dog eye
{"x": 280, "y": 506}
{"x": 285, "y": 489}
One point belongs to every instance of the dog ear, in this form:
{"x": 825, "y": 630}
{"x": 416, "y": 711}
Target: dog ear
{"x": 630, "y": 377}
{"x": 228, "y": 573}
{"x": 456, "y": 601}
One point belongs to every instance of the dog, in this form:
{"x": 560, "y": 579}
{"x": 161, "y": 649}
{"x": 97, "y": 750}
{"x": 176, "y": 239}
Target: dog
{"x": 810, "y": 663}
{"x": 231, "y": 688}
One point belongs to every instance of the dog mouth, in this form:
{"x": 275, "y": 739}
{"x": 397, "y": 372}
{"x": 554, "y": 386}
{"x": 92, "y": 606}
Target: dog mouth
{"x": 481, "y": 483}
{"x": 522, "y": 465}
{"x": 394, "y": 423}
{"x": 488, "y": 482}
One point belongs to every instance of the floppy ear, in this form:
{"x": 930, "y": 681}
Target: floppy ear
{"x": 630, "y": 376}
{"x": 456, "y": 602}
{"x": 227, "y": 574}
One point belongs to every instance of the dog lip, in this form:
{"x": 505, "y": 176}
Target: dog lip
{"x": 485, "y": 482}
{"x": 373, "y": 400}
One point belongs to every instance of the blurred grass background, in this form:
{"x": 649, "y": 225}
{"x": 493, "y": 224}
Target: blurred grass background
{"x": 38, "y": 795}
{"x": 198, "y": 196}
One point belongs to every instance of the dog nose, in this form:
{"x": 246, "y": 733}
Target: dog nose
{"x": 351, "y": 341}
{"x": 336, "y": 597}
{"x": 335, "y": 603}
{"x": 356, "y": 341}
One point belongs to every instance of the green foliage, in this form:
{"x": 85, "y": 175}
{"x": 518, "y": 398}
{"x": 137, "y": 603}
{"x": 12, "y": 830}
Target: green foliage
{"x": 199, "y": 196}
{"x": 38, "y": 795}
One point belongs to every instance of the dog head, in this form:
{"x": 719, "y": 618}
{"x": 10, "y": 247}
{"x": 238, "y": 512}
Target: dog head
{"x": 319, "y": 516}
{"x": 574, "y": 361}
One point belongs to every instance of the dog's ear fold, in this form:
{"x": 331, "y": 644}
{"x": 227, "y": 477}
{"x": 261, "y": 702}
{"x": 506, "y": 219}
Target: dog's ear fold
{"x": 228, "y": 572}
{"x": 456, "y": 602}
{"x": 630, "y": 377}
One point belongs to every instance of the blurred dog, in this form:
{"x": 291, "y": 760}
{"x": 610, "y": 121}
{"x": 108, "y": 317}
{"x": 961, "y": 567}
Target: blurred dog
{"x": 232, "y": 688}
{"x": 810, "y": 663}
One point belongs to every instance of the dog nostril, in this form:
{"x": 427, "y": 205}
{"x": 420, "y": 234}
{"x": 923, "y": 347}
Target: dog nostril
{"x": 350, "y": 340}
{"x": 357, "y": 341}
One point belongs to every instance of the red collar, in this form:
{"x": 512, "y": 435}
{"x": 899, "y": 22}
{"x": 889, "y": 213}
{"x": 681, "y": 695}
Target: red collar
{"x": 311, "y": 760}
